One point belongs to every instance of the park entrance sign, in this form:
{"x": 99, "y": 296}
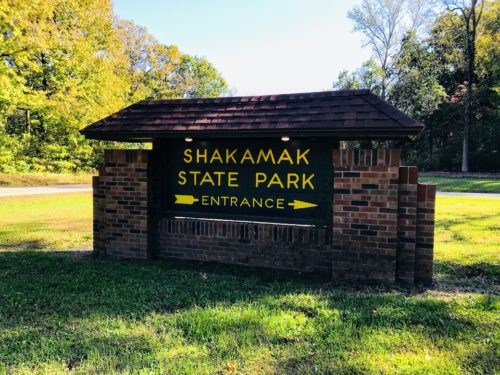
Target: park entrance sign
{"x": 256, "y": 180}
{"x": 262, "y": 181}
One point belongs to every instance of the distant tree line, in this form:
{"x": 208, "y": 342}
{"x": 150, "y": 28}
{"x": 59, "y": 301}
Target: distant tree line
{"x": 67, "y": 63}
{"x": 440, "y": 63}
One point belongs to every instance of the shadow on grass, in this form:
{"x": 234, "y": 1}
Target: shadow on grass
{"x": 55, "y": 307}
{"x": 479, "y": 277}
{"x": 22, "y": 245}
{"x": 448, "y": 223}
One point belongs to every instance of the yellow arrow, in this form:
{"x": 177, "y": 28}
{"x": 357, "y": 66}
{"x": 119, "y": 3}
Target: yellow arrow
{"x": 297, "y": 205}
{"x": 185, "y": 199}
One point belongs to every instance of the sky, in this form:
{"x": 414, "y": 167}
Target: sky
{"x": 260, "y": 47}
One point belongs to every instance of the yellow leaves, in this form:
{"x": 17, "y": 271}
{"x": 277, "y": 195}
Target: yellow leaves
{"x": 488, "y": 38}
{"x": 71, "y": 62}
{"x": 230, "y": 367}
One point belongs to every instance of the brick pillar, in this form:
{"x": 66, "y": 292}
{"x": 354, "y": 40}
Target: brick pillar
{"x": 407, "y": 224}
{"x": 365, "y": 214}
{"x": 99, "y": 203}
{"x": 122, "y": 197}
{"x": 424, "y": 253}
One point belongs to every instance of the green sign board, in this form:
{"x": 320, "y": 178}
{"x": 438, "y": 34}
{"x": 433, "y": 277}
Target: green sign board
{"x": 258, "y": 180}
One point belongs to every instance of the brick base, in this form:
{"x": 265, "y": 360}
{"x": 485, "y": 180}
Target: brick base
{"x": 365, "y": 214}
{"x": 383, "y": 222}
{"x": 424, "y": 252}
{"x": 249, "y": 244}
{"x": 121, "y": 195}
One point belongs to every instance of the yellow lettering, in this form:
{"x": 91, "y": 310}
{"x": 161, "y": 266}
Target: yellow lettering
{"x": 266, "y": 156}
{"x": 204, "y": 200}
{"x": 182, "y": 178}
{"x": 232, "y": 201}
{"x": 247, "y": 156}
{"x": 216, "y": 156}
{"x": 275, "y": 180}
{"x": 207, "y": 178}
{"x": 302, "y": 156}
{"x": 219, "y": 177}
{"x": 307, "y": 181}
{"x": 260, "y": 177}
{"x": 203, "y": 155}
{"x": 257, "y": 202}
{"x": 292, "y": 179}
{"x": 195, "y": 176}
{"x": 280, "y": 203}
{"x": 230, "y": 156}
{"x": 232, "y": 179}
{"x": 245, "y": 202}
{"x": 285, "y": 156}
{"x": 188, "y": 155}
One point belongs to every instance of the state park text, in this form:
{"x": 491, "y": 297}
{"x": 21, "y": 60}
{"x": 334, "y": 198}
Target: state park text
{"x": 268, "y": 179}
{"x": 289, "y": 180}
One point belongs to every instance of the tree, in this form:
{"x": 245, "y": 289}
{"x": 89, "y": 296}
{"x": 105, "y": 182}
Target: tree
{"x": 368, "y": 76}
{"x": 158, "y": 71}
{"x": 418, "y": 92}
{"x": 346, "y": 81}
{"x": 430, "y": 81}
{"x": 379, "y": 21}
{"x": 61, "y": 58}
{"x": 439, "y": 61}
{"x": 383, "y": 24}
{"x": 67, "y": 63}
{"x": 201, "y": 79}
{"x": 470, "y": 11}
{"x": 148, "y": 62}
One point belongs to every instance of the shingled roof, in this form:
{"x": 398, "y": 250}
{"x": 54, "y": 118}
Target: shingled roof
{"x": 349, "y": 114}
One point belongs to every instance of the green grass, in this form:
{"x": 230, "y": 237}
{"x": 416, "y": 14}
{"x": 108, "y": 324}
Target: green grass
{"x": 41, "y": 179}
{"x": 61, "y": 313}
{"x": 49, "y": 222}
{"x": 467, "y": 247}
{"x": 464, "y": 185}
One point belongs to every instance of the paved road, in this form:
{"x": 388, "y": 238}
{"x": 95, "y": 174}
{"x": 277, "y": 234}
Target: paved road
{"x": 50, "y": 189}
{"x": 480, "y": 195}
{"x": 58, "y": 189}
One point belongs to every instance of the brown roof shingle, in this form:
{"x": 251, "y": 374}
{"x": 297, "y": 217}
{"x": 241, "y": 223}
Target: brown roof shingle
{"x": 349, "y": 113}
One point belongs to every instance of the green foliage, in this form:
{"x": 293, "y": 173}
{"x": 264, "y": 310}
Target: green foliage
{"x": 67, "y": 63}
{"x": 417, "y": 89}
{"x": 428, "y": 80}
{"x": 202, "y": 79}
{"x": 63, "y": 313}
{"x": 440, "y": 64}
{"x": 369, "y": 76}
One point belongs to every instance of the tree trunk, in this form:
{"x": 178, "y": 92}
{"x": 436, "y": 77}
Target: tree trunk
{"x": 471, "y": 21}
{"x": 468, "y": 104}
{"x": 465, "y": 149}
{"x": 383, "y": 85}
{"x": 431, "y": 145}
{"x": 28, "y": 121}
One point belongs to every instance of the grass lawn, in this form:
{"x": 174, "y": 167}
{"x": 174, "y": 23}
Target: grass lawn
{"x": 61, "y": 313}
{"x": 39, "y": 179}
{"x": 464, "y": 185}
{"x": 467, "y": 248}
{"x": 49, "y": 222}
